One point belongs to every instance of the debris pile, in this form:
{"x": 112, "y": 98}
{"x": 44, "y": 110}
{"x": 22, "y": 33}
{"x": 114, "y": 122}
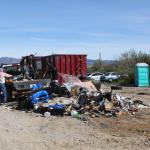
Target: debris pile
{"x": 79, "y": 98}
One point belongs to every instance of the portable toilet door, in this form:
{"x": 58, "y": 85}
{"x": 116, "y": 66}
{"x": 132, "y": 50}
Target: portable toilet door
{"x": 142, "y": 75}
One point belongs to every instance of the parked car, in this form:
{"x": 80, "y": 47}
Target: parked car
{"x": 88, "y": 74}
{"x": 96, "y": 76}
{"x": 110, "y": 76}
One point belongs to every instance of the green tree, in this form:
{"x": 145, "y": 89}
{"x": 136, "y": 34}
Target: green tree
{"x": 127, "y": 61}
{"x": 96, "y": 67}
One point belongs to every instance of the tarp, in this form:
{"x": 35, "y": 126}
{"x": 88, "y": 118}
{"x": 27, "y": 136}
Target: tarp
{"x": 41, "y": 96}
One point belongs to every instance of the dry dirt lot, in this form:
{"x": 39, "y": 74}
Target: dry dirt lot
{"x": 29, "y": 131}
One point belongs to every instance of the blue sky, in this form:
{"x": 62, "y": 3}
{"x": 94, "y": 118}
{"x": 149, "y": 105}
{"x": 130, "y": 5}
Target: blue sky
{"x": 74, "y": 26}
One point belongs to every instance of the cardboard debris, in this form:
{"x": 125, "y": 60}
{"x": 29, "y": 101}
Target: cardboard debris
{"x": 71, "y": 81}
{"x": 89, "y": 86}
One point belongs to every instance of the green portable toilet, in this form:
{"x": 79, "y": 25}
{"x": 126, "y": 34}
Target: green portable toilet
{"x": 141, "y": 74}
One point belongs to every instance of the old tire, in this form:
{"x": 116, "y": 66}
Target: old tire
{"x": 116, "y": 87}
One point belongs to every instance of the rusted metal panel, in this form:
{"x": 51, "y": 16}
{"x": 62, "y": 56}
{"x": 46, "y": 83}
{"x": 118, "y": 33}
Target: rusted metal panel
{"x": 72, "y": 65}
{"x": 38, "y": 67}
{"x": 63, "y": 64}
{"x": 83, "y": 65}
{"x": 57, "y": 63}
{"x": 68, "y": 65}
{"x": 78, "y": 66}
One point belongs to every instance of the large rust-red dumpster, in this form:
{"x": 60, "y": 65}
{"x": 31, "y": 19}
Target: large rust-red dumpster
{"x": 69, "y": 64}
{"x": 72, "y": 64}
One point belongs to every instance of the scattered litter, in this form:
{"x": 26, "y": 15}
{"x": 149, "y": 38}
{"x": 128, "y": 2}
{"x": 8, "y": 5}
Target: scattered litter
{"x": 47, "y": 114}
{"x": 147, "y": 142}
{"x": 77, "y": 99}
{"x": 75, "y": 114}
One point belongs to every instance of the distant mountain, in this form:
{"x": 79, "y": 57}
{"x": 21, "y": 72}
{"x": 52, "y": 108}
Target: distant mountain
{"x": 90, "y": 61}
{"x": 107, "y": 62}
{"x": 8, "y": 60}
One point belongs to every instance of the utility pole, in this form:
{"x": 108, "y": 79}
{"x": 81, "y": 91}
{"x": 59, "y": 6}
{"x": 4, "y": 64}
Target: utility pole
{"x": 100, "y": 61}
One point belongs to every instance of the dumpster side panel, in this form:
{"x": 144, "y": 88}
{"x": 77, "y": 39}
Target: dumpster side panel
{"x": 68, "y": 65}
{"x": 71, "y": 64}
{"x": 63, "y": 64}
{"x": 57, "y": 62}
{"x": 78, "y": 66}
{"x": 83, "y": 65}
{"x": 39, "y": 65}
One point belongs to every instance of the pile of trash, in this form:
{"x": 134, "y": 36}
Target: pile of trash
{"x": 77, "y": 98}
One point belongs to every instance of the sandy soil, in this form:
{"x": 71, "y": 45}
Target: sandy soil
{"x": 29, "y": 131}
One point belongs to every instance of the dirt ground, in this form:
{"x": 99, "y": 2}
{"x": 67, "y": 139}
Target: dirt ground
{"x": 28, "y": 131}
